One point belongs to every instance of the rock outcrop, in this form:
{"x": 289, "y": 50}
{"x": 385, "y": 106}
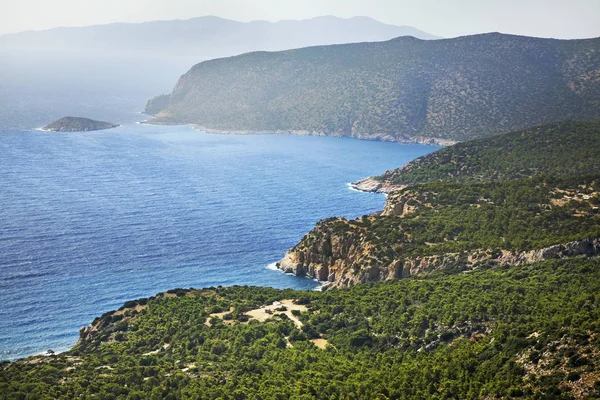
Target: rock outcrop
{"x": 374, "y": 185}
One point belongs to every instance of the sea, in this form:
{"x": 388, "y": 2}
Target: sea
{"x": 91, "y": 220}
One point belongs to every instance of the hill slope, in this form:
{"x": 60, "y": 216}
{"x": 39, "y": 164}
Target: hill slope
{"x": 472, "y": 205}
{"x": 559, "y": 149}
{"x": 523, "y": 332}
{"x": 403, "y": 89}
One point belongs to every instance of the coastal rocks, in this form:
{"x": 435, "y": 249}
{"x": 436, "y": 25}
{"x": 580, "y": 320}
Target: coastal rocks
{"x": 326, "y": 253}
{"x": 78, "y": 124}
{"x": 587, "y": 247}
{"x": 373, "y": 185}
{"x": 401, "y": 203}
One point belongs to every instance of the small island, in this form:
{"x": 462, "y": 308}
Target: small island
{"x": 78, "y": 124}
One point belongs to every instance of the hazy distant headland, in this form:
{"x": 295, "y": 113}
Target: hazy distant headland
{"x": 44, "y": 74}
{"x": 207, "y": 37}
{"x": 404, "y": 89}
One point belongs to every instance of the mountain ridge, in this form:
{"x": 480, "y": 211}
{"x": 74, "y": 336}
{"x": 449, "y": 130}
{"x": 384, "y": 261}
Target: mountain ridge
{"x": 403, "y": 89}
{"x": 204, "y": 36}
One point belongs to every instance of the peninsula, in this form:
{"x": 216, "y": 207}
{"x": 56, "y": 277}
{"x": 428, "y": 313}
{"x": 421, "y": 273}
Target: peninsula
{"x": 403, "y": 90}
{"x": 507, "y": 200}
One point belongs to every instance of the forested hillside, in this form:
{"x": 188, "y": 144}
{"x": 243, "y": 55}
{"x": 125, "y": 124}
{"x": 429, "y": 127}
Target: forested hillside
{"x": 454, "y": 227}
{"x": 404, "y": 89}
{"x": 520, "y": 332}
{"x": 561, "y": 149}
{"x": 505, "y": 200}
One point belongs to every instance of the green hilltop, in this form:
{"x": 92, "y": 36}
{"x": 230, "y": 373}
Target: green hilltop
{"x": 560, "y": 149}
{"x": 404, "y": 89}
{"x": 521, "y": 332}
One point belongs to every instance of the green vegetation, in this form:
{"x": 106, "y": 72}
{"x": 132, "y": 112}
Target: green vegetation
{"x": 402, "y": 89}
{"x": 561, "y": 149}
{"x": 513, "y": 198}
{"x": 521, "y": 332}
{"x": 455, "y": 227}
{"x": 444, "y": 218}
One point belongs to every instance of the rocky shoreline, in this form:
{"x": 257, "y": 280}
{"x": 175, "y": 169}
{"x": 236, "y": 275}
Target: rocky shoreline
{"x": 336, "y": 270}
{"x": 372, "y": 185}
{"x": 376, "y": 137}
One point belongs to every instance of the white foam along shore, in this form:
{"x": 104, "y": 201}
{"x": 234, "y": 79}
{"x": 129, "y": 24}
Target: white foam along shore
{"x": 273, "y": 267}
{"x": 352, "y": 186}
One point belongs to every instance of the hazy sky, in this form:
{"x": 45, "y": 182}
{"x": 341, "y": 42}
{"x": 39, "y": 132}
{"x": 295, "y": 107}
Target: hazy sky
{"x": 545, "y": 18}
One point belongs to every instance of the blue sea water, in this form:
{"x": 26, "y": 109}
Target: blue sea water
{"x": 91, "y": 220}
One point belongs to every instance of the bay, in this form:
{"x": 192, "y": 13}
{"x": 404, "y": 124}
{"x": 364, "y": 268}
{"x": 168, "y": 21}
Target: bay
{"x": 91, "y": 220}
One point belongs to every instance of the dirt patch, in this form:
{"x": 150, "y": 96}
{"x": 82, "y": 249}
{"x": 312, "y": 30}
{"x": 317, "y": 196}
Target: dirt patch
{"x": 261, "y": 314}
{"x": 320, "y": 343}
{"x": 265, "y": 312}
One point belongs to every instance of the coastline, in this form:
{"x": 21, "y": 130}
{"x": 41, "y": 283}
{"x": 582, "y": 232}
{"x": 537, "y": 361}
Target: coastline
{"x": 375, "y": 137}
{"x": 322, "y": 286}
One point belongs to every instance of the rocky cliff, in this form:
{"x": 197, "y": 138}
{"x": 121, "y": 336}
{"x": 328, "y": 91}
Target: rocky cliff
{"x": 352, "y": 262}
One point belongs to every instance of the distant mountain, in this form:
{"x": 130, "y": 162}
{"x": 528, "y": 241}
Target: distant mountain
{"x": 109, "y": 71}
{"x": 207, "y": 37}
{"x": 404, "y": 89}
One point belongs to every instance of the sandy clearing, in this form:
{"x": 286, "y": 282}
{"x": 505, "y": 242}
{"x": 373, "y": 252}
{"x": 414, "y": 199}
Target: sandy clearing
{"x": 260, "y": 314}
{"x": 219, "y": 315}
{"x": 320, "y": 343}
